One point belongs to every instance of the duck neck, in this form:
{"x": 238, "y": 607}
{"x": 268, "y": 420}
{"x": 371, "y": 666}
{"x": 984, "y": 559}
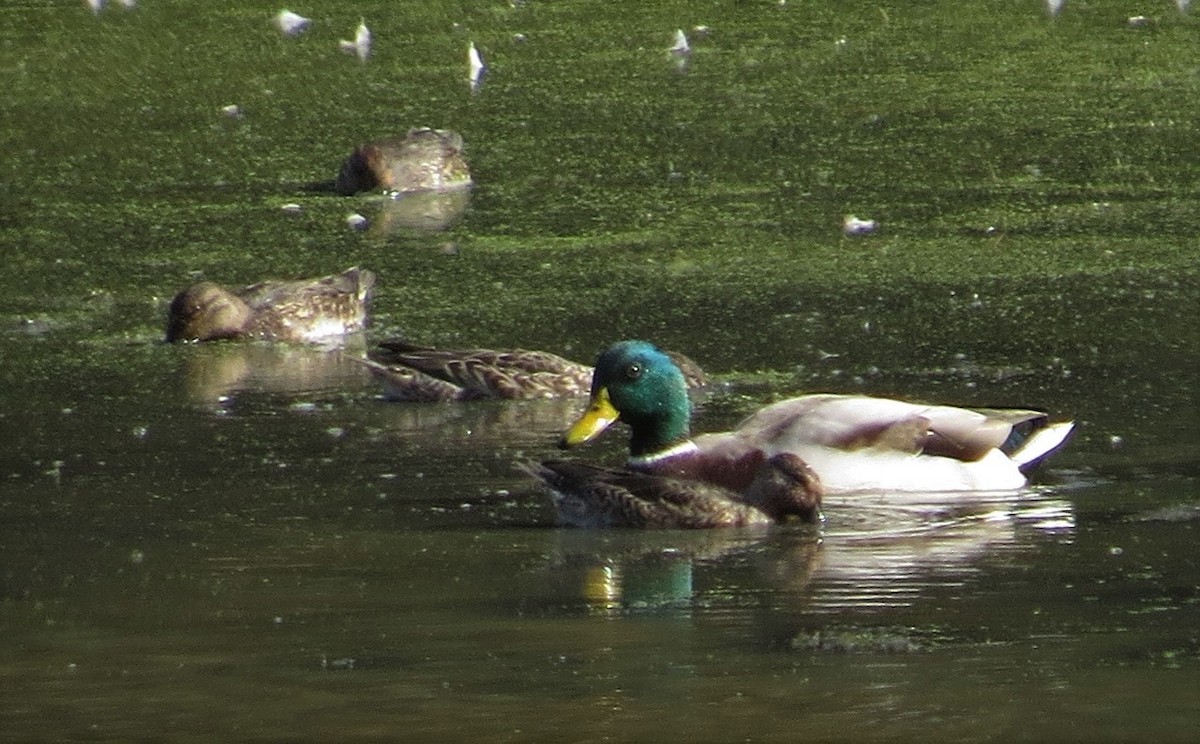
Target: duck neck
{"x": 656, "y": 434}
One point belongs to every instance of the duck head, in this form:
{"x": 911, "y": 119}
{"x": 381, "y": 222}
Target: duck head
{"x": 204, "y": 312}
{"x": 637, "y": 383}
{"x": 785, "y": 486}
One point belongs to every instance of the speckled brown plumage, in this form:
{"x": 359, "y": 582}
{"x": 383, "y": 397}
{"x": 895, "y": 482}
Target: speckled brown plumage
{"x": 422, "y": 160}
{"x": 595, "y": 497}
{"x": 419, "y": 373}
{"x": 305, "y": 310}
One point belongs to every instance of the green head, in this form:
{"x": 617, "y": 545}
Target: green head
{"x": 637, "y": 383}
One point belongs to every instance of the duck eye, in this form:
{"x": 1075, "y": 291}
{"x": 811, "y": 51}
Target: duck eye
{"x": 633, "y": 371}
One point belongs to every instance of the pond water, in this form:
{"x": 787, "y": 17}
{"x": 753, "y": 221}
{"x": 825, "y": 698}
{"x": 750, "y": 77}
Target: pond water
{"x": 244, "y": 541}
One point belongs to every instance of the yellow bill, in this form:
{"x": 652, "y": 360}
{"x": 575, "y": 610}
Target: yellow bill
{"x": 599, "y": 416}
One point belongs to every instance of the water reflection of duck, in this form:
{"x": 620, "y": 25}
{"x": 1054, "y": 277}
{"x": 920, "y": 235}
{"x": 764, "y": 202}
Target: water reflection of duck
{"x": 622, "y": 571}
{"x": 423, "y": 374}
{"x": 424, "y": 159}
{"x": 212, "y": 372}
{"x": 854, "y": 443}
{"x": 305, "y": 310}
{"x": 593, "y": 497}
{"x": 419, "y": 212}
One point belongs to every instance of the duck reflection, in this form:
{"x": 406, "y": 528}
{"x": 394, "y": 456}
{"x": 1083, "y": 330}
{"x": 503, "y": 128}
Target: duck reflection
{"x": 872, "y": 554}
{"x": 418, "y": 212}
{"x": 495, "y": 423}
{"x": 888, "y": 551}
{"x": 212, "y": 372}
{"x": 616, "y": 572}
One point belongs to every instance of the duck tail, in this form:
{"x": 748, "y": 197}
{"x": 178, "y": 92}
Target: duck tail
{"x": 1040, "y": 444}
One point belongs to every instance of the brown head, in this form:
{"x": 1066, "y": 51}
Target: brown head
{"x": 786, "y": 486}
{"x": 204, "y": 312}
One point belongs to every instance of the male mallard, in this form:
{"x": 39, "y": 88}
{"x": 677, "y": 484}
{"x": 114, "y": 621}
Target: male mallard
{"x": 305, "y": 310}
{"x": 853, "y": 442}
{"x": 593, "y": 497}
{"x": 423, "y": 374}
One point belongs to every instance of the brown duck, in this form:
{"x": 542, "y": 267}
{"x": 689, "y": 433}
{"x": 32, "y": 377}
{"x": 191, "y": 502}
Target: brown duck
{"x": 423, "y": 374}
{"x": 305, "y": 310}
{"x": 595, "y": 497}
{"x": 424, "y": 159}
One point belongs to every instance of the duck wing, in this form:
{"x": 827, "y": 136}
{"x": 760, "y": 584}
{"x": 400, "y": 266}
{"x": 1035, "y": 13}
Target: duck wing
{"x": 352, "y": 286}
{"x": 596, "y": 497}
{"x": 511, "y": 374}
{"x": 848, "y": 422}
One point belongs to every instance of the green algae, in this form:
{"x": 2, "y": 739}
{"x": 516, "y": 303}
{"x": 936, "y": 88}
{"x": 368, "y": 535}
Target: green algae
{"x": 617, "y": 194}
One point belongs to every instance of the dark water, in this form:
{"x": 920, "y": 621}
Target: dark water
{"x": 245, "y": 542}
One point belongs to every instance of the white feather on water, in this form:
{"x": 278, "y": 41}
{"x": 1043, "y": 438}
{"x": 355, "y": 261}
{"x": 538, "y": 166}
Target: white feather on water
{"x": 361, "y": 46}
{"x": 853, "y": 226}
{"x": 680, "y": 46}
{"x": 291, "y": 24}
{"x": 476, "y": 66}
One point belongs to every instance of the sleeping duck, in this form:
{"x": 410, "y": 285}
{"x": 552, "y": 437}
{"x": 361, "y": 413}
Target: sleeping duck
{"x": 852, "y": 442}
{"x": 424, "y": 159}
{"x": 594, "y": 497}
{"x": 305, "y": 310}
{"x": 414, "y": 373}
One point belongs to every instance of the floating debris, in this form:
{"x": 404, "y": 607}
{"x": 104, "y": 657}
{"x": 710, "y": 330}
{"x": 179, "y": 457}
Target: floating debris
{"x": 854, "y": 227}
{"x": 680, "y": 47}
{"x": 1137, "y": 21}
{"x": 1054, "y": 6}
{"x": 476, "y": 65}
{"x": 291, "y": 24}
{"x": 98, "y": 5}
{"x": 233, "y": 111}
{"x": 361, "y": 46}
{"x": 290, "y": 208}
{"x": 356, "y": 221}
{"x": 1183, "y": 5}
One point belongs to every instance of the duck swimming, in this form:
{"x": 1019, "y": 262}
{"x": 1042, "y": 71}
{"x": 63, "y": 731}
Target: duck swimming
{"x": 304, "y": 310}
{"x": 414, "y": 373}
{"x": 852, "y": 442}
{"x": 594, "y": 497}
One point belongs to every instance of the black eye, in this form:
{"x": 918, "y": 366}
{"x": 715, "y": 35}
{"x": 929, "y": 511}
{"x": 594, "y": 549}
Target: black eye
{"x": 633, "y": 371}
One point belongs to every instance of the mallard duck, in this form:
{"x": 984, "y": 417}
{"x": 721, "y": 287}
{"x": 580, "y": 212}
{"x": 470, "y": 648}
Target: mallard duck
{"x": 420, "y": 373}
{"x": 305, "y": 310}
{"x": 595, "y": 497}
{"x": 424, "y": 159}
{"x": 853, "y": 442}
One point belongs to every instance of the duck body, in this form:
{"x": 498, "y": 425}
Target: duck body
{"x": 853, "y": 442}
{"x": 594, "y": 497}
{"x": 424, "y": 159}
{"x": 415, "y": 373}
{"x": 306, "y": 310}
{"x": 421, "y": 373}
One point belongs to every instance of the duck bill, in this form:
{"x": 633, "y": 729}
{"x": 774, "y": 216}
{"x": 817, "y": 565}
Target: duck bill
{"x": 599, "y": 416}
